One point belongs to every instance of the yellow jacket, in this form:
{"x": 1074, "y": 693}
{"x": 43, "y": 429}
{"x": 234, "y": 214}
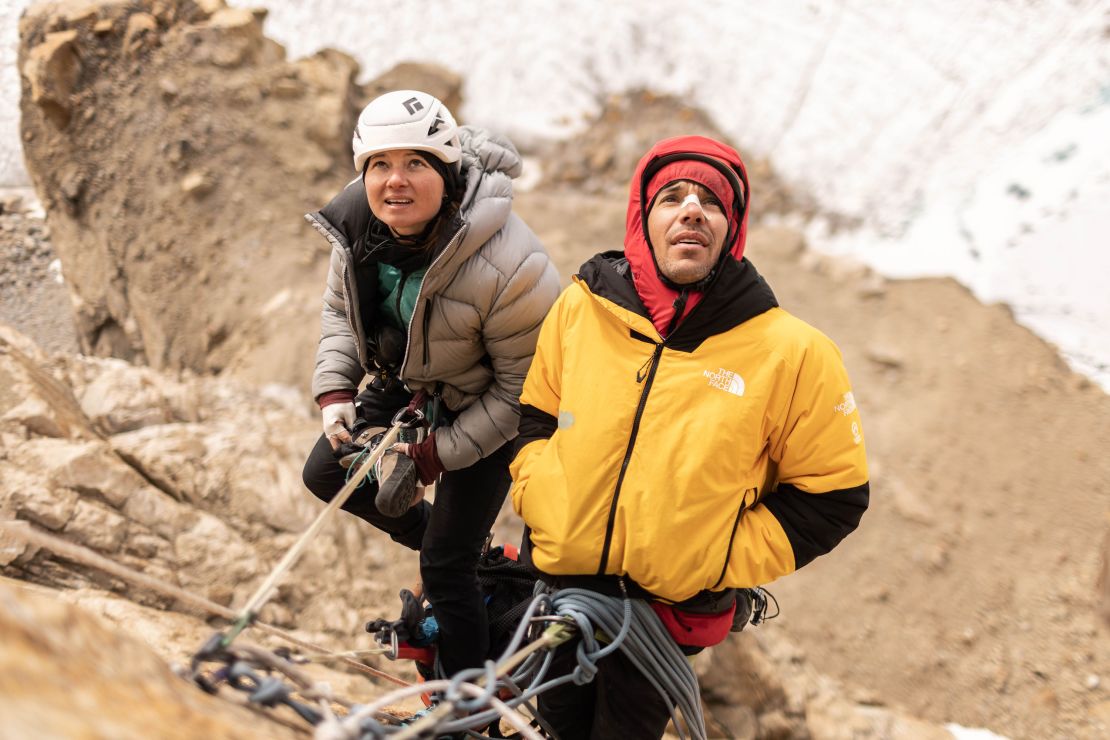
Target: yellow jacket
{"x": 726, "y": 456}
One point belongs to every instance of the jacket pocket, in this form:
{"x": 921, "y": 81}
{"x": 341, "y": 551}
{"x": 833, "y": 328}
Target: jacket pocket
{"x": 732, "y": 536}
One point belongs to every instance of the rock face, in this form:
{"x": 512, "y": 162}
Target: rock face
{"x": 192, "y": 480}
{"x": 176, "y": 150}
{"x": 756, "y": 685}
{"x": 33, "y": 298}
{"x": 603, "y": 157}
{"x": 1103, "y": 587}
{"x": 64, "y": 674}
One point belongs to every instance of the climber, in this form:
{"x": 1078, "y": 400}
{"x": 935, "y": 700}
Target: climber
{"x": 681, "y": 436}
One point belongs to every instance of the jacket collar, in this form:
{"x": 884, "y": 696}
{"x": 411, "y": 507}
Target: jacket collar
{"x": 739, "y": 294}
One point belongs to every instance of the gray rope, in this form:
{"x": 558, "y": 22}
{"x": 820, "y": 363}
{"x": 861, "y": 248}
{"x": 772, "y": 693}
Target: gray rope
{"x": 647, "y": 645}
{"x": 469, "y": 698}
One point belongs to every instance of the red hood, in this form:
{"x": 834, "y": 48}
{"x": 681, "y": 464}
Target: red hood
{"x": 658, "y": 297}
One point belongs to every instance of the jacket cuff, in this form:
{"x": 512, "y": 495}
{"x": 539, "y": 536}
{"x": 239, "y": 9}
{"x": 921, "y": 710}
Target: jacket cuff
{"x": 428, "y": 464}
{"x": 327, "y": 399}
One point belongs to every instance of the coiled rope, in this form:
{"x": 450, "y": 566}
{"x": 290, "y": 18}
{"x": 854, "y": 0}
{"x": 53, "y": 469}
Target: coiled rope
{"x": 471, "y": 698}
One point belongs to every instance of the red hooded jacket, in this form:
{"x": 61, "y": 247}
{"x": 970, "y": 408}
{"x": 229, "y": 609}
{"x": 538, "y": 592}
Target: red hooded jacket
{"x": 657, "y": 296}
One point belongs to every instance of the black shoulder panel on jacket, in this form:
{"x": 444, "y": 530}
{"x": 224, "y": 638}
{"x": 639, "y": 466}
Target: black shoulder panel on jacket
{"x": 534, "y": 424}
{"x": 737, "y": 294}
{"x": 816, "y": 522}
{"x": 608, "y": 274}
{"x": 348, "y": 213}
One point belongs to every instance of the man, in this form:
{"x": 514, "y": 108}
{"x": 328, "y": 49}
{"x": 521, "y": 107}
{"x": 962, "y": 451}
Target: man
{"x": 679, "y": 431}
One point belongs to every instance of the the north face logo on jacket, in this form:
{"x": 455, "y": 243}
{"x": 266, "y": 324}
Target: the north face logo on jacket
{"x": 847, "y": 406}
{"x": 726, "y": 380}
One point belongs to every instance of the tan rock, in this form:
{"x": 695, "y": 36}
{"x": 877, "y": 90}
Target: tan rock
{"x": 231, "y": 37}
{"x": 158, "y": 512}
{"x": 31, "y": 397}
{"x": 210, "y": 7}
{"x": 909, "y": 503}
{"x": 87, "y": 467}
{"x": 831, "y": 718}
{"x": 51, "y": 508}
{"x": 210, "y": 554}
{"x": 777, "y": 239}
{"x": 119, "y": 397}
{"x": 141, "y": 33}
{"x": 288, "y": 87}
{"x": 11, "y": 549}
{"x": 196, "y": 184}
{"x": 95, "y": 525}
{"x": 55, "y": 655}
{"x": 739, "y": 672}
{"x": 1102, "y": 587}
{"x": 52, "y": 69}
{"x": 430, "y": 78}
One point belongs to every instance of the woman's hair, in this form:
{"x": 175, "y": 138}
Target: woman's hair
{"x": 439, "y": 225}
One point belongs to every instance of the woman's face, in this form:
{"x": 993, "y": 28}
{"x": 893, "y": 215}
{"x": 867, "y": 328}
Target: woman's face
{"x": 403, "y": 190}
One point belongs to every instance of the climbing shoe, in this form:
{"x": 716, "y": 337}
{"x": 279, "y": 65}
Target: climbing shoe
{"x": 364, "y": 437}
{"x": 396, "y": 474}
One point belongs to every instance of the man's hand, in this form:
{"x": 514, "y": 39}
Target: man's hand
{"x": 338, "y": 418}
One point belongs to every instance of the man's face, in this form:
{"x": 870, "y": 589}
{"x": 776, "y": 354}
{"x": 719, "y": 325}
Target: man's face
{"x": 686, "y": 233}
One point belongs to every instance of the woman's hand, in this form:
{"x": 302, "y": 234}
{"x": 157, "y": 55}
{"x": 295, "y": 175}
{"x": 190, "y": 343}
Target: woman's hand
{"x": 337, "y": 419}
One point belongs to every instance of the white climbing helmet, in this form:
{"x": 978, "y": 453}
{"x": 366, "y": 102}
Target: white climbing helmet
{"x": 406, "y": 119}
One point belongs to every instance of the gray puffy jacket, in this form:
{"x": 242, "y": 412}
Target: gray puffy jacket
{"x": 477, "y": 315}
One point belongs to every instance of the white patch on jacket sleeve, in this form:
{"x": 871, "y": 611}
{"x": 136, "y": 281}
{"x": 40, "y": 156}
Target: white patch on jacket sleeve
{"x": 847, "y": 406}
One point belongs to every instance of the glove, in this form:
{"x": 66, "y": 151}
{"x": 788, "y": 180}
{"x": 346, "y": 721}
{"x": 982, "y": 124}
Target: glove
{"x": 428, "y": 464}
{"x": 338, "y": 418}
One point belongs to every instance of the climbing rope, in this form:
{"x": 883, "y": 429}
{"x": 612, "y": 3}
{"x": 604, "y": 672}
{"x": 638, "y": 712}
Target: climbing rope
{"x": 407, "y": 417}
{"x": 24, "y": 532}
{"x": 474, "y": 698}
{"x": 470, "y": 700}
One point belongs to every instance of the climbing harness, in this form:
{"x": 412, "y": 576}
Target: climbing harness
{"x": 474, "y": 698}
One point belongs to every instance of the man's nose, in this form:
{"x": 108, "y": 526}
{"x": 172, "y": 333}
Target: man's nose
{"x": 691, "y": 210}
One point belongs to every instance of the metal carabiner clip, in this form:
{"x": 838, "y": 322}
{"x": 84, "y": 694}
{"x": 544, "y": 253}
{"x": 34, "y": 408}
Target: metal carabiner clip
{"x": 399, "y": 419}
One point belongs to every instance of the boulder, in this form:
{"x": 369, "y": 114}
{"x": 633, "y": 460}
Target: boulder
{"x": 32, "y": 400}
{"x": 51, "y": 69}
{"x": 64, "y": 673}
{"x": 194, "y": 480}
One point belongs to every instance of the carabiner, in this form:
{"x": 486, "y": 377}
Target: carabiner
{"x": 416, "y": 420}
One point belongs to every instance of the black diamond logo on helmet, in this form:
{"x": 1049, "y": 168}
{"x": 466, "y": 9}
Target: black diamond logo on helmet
{"x": 435, "y": 125}
{"x": 412, "y": 105}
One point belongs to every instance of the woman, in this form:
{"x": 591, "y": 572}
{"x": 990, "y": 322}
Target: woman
{"x": 436, "y": 287}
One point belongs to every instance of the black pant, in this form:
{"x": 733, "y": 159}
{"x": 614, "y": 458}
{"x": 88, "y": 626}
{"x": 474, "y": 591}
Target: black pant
{"x": 619, "y": 703}
{"x": 448, "y": 534}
